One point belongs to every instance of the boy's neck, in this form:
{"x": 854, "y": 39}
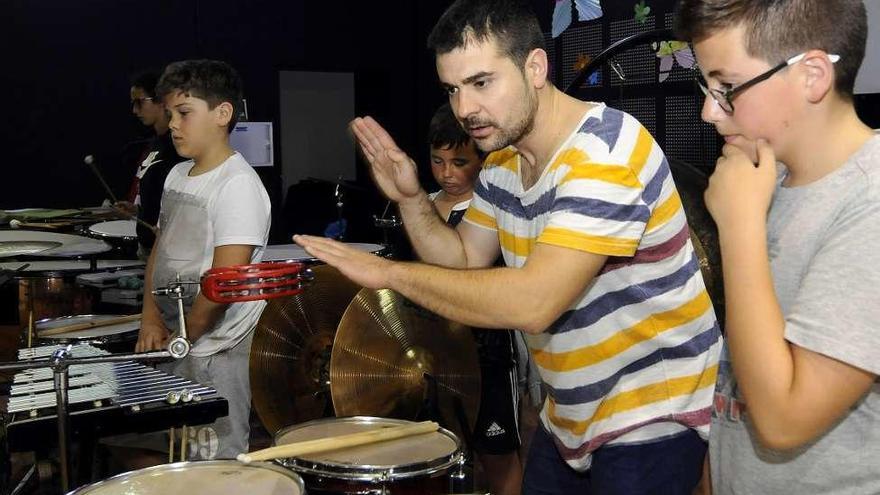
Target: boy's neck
{"x": 825, "y": 144}
{"x": 211, "y": 159}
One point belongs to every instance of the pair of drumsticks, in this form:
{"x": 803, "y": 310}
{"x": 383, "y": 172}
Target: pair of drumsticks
{"x": 90, "y": 161}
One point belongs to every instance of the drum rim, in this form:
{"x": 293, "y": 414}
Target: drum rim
{"x": 182, "y": 465}
{"x": 66, "y": 273}
{"x": 101, "y": 339}
{"x": 367, "y": 472}
{"x": 381, "y": 251}
{"x": 103, "y": 235}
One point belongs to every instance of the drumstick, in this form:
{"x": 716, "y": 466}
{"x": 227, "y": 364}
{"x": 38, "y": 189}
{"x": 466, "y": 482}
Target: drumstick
{"x": 90, "y": 161}
{"x": 136, "y": 219}
{"x": 87, "y": 325}
{"x": 339, "y": 442}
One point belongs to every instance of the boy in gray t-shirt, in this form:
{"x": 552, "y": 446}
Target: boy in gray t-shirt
{"x": 797, "y": 404}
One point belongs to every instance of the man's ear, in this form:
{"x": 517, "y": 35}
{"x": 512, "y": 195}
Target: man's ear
{"x": 818, "y": 76}
{"x": 224, "y": 113}
{"x": 537, "y": 67}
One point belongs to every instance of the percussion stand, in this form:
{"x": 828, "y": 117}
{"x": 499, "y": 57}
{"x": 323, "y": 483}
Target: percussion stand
{"x": 431, "y": 411}
{"x": 61, "y": 361}
{"x": 386, "y": 224}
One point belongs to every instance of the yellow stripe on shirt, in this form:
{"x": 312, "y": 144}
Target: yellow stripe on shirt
{"x": 665, "y": 212}
{"x": 640, "y": 152}
{"x": 624, "y": 339}
{"x": 474, "y": 215}
{"x": 506, "y": 158}
{"x": 607, "y": 245}
{"x": 639, "y": 397}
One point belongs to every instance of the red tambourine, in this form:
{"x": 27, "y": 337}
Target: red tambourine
{"x": 254, "y": 282}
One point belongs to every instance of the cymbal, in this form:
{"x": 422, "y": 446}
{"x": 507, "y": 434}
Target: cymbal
{"x": 290, "y": 354}
{"x": 388, "y": 349}
{"x": 18, "y": 248}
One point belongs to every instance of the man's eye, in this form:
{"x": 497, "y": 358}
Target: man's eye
{"x": 481, "y": 83}
{"x": 451, "y": 91}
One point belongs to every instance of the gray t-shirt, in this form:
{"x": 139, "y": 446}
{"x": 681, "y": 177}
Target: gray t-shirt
{"x": 824, "y": 245}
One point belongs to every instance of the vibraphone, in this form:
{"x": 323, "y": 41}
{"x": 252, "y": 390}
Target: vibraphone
{"x": 104, "y": 399}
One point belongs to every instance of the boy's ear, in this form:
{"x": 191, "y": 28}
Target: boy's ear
{"x": 819, "y": 79}
{"x": 223, "y": 113}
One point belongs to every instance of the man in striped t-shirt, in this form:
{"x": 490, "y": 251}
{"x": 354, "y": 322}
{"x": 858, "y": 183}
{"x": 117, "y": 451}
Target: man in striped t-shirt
{"x": 600, "y": 273}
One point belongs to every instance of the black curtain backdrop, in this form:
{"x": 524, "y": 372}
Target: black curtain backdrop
{"x": 66, "y": 67}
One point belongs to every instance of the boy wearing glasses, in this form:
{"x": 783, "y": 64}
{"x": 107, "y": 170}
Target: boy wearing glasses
{"x": 158, "y": 160}
{"x": 797, "y": 405}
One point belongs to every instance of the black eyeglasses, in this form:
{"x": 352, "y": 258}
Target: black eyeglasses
{"x": 139, "y": 102}
{"x": 724, "y": 98}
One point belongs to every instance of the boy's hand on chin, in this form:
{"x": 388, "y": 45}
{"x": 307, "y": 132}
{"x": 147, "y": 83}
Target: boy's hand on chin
{"x": 741, "y": 188}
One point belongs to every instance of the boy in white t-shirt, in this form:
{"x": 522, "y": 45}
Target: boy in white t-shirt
{"x": 215, "y": 213}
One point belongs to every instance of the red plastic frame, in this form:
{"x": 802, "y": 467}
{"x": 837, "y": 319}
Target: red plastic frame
{"x": 254, "y": 282}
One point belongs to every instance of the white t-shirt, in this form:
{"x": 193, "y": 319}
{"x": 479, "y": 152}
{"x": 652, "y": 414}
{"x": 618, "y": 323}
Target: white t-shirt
{"x": 225, "y": 206}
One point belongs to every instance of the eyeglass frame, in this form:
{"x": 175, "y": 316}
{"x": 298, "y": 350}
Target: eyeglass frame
{"x": 726, "y": 97}
{"x": 139, "y": 102}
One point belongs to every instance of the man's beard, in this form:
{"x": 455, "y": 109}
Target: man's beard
{"x": 504, "y": 137}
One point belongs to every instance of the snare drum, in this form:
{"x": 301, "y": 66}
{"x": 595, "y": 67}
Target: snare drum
{"x": 50, "y": 288}
{"x": 422, "y": 464}
{"x": 118, "y": 233}
{"x": 295, "y": 253}
{"x": 200, "y": 478}
{"x": 120, "y": 337}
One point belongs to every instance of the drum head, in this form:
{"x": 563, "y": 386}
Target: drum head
{"x": 104, "y": 332}
{"x": 201, "y": 478}
{"x": 293, "y": 252}
{"x": 115, "y": 229}
{"x": 394, "y": 459}
{"x": 71, "y": 245}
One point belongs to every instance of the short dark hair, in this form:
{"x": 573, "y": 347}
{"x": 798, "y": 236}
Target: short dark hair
{"x": 512, "y": 23}
{"x": 146, "y": 80}
{"x": 214, "y": 81}
{"x": 778, "y": 29}
{"x": 445, "y": 131}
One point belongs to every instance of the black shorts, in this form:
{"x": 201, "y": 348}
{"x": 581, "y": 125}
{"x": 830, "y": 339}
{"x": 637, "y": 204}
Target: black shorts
{"x": 497, "y": 427}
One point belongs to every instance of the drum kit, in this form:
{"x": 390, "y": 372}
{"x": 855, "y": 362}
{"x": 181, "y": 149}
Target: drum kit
{"x": 310, "y": 359}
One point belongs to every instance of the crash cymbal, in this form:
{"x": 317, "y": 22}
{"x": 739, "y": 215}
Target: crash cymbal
{"x": 290, "y": 354}
{"x": 387, "y": 353}
{"x": 18, "y": 248}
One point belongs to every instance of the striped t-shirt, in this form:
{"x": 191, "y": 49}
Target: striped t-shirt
{"x": 637, "y": 355}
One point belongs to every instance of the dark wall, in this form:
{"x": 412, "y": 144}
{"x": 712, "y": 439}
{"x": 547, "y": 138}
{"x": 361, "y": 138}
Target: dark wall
{"x": 66, "y": 67}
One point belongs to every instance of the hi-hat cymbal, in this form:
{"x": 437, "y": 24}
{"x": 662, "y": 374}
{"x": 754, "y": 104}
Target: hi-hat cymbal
{"x": 388, "y": 350}
{"x": 290, "y": 354}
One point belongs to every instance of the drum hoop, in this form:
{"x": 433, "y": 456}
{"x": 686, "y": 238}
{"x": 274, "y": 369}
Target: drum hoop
{"x": 183, "y": 465}
{"x": 73, "y": 272}
{"x": 103, "y": 235}
{"x": 367, "y": 472}
{"x": 100, "y": 339}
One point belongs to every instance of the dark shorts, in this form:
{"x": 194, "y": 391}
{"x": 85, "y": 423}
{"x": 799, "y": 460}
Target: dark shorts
{"x": 497, "y": 427}
{"x": 669, "y": 466}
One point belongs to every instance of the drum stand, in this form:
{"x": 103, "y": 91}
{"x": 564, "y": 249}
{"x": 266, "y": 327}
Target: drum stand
{"x": 61, "y": 361}
{"x": 431, "y": 412}
{"x": 387, "y": 224}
